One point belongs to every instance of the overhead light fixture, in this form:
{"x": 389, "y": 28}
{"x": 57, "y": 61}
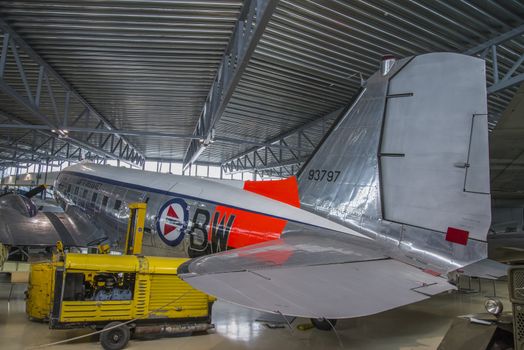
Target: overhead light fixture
{"x": 62, "y": 133}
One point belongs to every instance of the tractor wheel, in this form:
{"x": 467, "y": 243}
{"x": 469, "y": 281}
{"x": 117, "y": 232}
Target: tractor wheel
{"x": 116, "y": 338}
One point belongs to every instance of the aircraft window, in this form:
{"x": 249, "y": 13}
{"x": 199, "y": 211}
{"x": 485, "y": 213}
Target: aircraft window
{"x": 84, "y": 194}
{"x": 93, "y": 199}
{"x": 134, "y": 196}
{"x": 104, "y": 201}
{"x": 76, "y": 190}
{"x": 118, "y": 203}
{"x": 69, "y": 188}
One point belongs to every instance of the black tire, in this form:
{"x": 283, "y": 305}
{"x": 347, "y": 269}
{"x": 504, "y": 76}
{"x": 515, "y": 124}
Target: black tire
{"x": 323, "y": 324}
{"x": 116, "y": 338}
{"x": 209, "y": 312}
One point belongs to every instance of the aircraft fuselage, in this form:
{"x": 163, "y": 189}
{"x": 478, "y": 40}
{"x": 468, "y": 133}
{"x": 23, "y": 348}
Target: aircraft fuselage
{"x": 185, "y": 215}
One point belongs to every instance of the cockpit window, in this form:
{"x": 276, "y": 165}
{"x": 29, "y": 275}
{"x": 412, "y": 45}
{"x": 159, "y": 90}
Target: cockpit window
{"x": 84, "y": 194}
{"x": 69, "y": 188}
{"x": 76, "y": 190}
{"x": 93, "y": 198}
{"x": 118, "y": 203}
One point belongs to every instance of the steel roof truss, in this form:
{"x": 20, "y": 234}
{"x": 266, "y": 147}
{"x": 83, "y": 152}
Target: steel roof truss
{"x": 12, "y": 44}
{"x": 248, "y": 30}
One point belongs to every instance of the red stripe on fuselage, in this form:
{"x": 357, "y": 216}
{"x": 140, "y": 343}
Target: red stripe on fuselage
{"x": 285, "y": 190}
{"x": 250, "y": 228}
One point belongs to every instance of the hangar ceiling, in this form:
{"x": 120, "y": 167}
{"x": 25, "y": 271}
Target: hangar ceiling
{"x": 145, "y": 69}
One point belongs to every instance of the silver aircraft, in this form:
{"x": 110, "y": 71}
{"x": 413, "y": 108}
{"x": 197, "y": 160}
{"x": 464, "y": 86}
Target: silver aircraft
{"x": 395, "y": 196}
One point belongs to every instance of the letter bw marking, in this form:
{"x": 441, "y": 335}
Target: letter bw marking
{"x": 220, "y": 231}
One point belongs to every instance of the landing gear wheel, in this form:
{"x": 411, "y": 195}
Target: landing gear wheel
{"x": 323, "y": 324}
{"x": 116, "y": 338}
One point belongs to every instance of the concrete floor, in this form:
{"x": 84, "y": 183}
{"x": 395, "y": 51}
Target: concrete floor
{"x": 417, "y": 326}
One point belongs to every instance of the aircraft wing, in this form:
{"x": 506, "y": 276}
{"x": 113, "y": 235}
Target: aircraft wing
{"x": 22, "y": 224}
{"x": 308, "y": 275}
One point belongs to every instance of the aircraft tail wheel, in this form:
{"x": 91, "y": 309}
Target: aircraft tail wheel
{"x": 116, "y": 338}
{"x": 323, "y": 324}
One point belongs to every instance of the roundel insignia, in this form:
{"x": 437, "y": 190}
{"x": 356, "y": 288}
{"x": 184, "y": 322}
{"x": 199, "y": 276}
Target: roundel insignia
{"x": 172, "y": 221}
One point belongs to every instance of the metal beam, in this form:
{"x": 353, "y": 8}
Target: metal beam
{"x": 505, "y": 83}
{"x": 274, "y": 160}
{"x": 258, "y": 143}
{"x": 488, "y": 51}
{"x": 179, "y": 161}
{"x": 240, "y": 168}
{"x": 31, "y": 103}
{"x": 247, "y": 32}
{"x": 74, "y": 142}
{"x": 277, "y": 142}
{"x": 27, "y": 104}
{"x": 496, "y": 41}
{"x": 16, "y": 161}
{"x": 144, "y": 133}
{"x": 99, "y": 131}
{"x": 20, "y": 152}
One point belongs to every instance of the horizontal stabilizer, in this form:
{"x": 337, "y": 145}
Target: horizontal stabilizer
{"x": 307, "y": 277}
{"x": 486, "y": 268}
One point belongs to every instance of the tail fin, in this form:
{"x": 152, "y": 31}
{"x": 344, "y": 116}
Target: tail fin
{"x": 407, "y": 162}
{"x": 35, "y": 190}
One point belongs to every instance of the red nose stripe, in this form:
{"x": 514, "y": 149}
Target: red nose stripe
{"x": 456, "y": 235}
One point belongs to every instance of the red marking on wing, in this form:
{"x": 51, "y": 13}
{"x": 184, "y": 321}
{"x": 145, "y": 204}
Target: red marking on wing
{"x": 172, "y": 213}
{"x": 285, "y": 190}
{"x": 432, "y": 272}
{"x": 456, "y": 235}
{"x": 168, "y": 229}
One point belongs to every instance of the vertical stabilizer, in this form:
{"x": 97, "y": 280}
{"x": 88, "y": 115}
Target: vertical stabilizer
{"x": 408, "y": 160}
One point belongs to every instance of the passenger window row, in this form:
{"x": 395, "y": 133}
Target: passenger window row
{"x": 105, "y": 199}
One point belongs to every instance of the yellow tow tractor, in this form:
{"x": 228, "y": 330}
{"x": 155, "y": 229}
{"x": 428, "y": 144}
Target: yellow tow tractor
{"x": 123, "y": 294}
